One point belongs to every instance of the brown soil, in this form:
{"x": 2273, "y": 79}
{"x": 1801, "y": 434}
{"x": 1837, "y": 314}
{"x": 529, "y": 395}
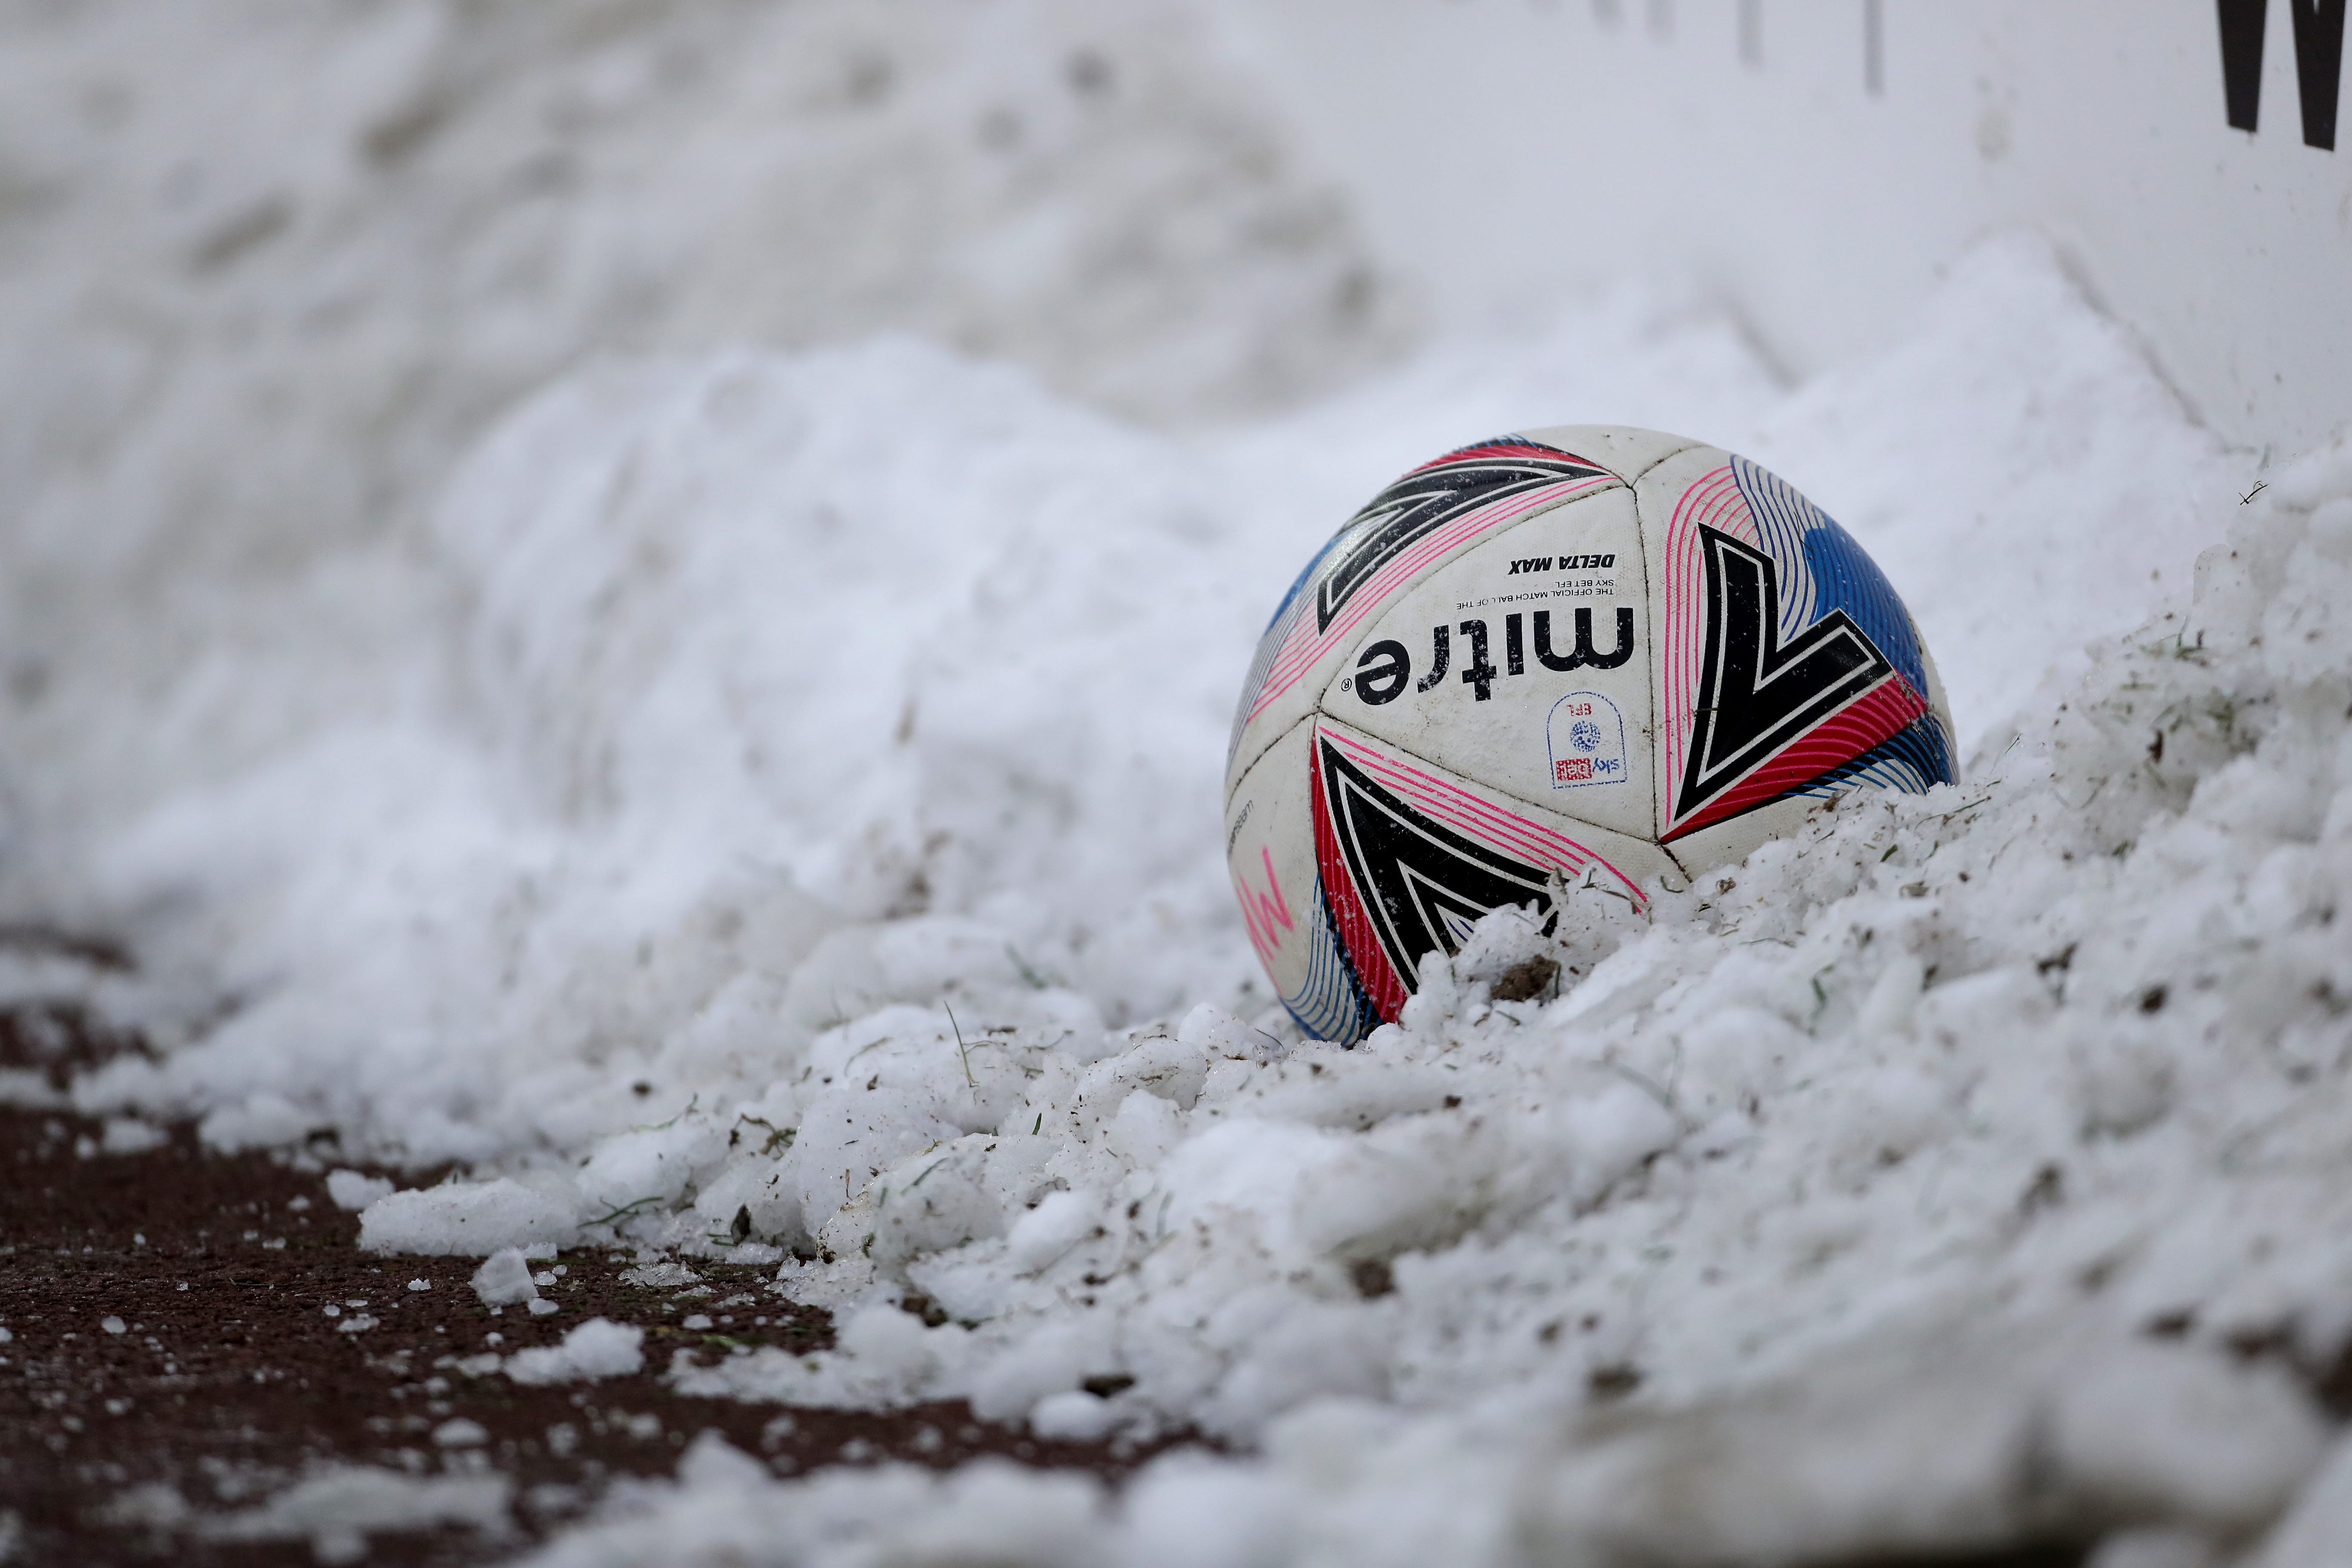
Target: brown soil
{"x": 168, "y": 1314}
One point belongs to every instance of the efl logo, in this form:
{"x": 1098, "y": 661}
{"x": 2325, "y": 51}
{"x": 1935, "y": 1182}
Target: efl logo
{"x": 1572, "y": 770}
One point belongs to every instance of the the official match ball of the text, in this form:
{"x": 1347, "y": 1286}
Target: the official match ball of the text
{"x": 1567, "y": 664}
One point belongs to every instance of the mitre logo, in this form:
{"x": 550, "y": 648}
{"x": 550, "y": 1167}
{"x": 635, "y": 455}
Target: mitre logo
{"x": 1385, "y": 668}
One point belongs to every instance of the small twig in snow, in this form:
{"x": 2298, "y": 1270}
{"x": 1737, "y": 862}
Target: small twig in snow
{"x": 626, "y": 1210}
{"x": 961, "y": 1049}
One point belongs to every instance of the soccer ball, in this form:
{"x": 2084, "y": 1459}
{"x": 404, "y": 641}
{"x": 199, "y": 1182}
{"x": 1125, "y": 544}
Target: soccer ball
{"x": 1558, "y": 664}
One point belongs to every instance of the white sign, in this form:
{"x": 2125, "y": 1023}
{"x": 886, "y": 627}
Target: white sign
{"x": 1817, "y": 162}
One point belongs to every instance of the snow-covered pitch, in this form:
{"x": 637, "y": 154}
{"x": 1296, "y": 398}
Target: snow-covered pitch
{"x": 782, "y": 786}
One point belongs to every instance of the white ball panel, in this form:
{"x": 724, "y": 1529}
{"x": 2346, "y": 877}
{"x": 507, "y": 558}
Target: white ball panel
{"x": 1624, "y": 450}
{"x": 1270, "y": 854}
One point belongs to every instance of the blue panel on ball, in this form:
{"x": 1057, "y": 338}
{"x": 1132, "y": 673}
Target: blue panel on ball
{"x": 1824, "y": 569}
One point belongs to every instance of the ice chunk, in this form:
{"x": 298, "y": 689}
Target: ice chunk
{"x": 892, "y": 1349}
{"x": 2317, "y": 477}
{"x": 1941, "y": 1447}
{"x": 710, "y": 1463}
{"x": 1073, "y": 1415}
{"x": 460, "y": 1433}
{"x": 2317, "y": 1531}
{"x": 155, "y": 1505}
{"x": 936, "y": 1200}
{"x": 597, "y": 1348}
{"x": 353, "y": 1191}
{"x": 652, "y": 1165}
{"x": 662, "y": 1274}
{"x": 129, "y": 1135}
{"x": 339, "y": 1507}
{"x": 504, "y": 1280}
{"x": 464, "y": 1219}
{"x": 1190, "y": 1511}
{"x": 1039, "y": 1365}
{"x": 1050, "y": 1231}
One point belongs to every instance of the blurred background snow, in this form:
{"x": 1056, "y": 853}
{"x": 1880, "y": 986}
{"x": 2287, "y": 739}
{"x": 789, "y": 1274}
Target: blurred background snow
{"x": 268, "y": 269}
{"x": 567, "y": 565}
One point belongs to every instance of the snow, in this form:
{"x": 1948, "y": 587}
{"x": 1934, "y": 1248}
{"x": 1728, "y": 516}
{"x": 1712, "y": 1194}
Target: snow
{"x": 988, "y": 1512}
{"x": 337, "y": 1508}
{"x": 597, "y": 1348}
{"x": 1073, "y": 1415}
{"x": 268, "y": 270}
{"x": 467, "y": 1220}
{"x": 2315, "y": 1530}
{"x": 353, "y": 1190}
{"x": 1990, "y": 1446}
{"x": 460, "y": 1433}
{"x": 767, "y": 776}
{"x": 1902, "y": 1133}
{"x": 129, "y": 1135}
{"x": 504, "y": 1280}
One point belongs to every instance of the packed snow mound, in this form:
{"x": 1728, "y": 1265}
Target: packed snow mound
{"x": 829, "y": 682}
{"x": 801, "y": 844}
{"x": 757, "y": 693}
{"x": 1968, "y": 1170}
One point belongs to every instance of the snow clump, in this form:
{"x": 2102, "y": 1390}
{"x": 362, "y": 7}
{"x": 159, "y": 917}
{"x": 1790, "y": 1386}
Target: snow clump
{"x": 597, "y": 1348}
{"x": 504, "y": 1280}
{"x": 467, "y": 1220}
{"x": 353, "y": 1191}
{"x": 338, "y": 1507}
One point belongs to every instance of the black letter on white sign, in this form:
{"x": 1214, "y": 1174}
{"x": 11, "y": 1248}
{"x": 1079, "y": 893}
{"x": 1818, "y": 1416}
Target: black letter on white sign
{"x": 2318, "y": 62}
